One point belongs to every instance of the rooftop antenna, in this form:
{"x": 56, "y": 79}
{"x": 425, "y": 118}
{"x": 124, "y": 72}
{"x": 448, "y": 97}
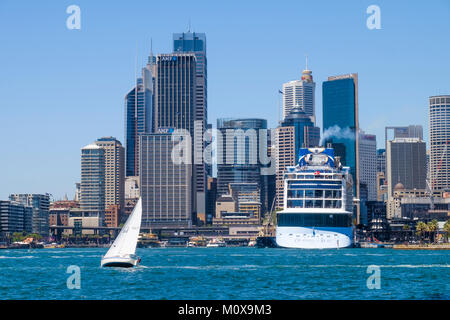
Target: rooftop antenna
{"x": 306, "y": 58}
{"x": 151, "y": 52}
{"x": 189, "y": 25}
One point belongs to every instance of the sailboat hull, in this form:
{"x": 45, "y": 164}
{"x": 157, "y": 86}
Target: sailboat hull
{"x": 121, "y": 262}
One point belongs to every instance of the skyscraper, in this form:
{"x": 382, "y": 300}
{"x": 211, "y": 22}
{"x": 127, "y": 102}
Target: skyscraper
{"x": 340, "y": 122}
{"x": 175, "y": 104}
{"x": 139, "y": 103}
{"x": 406, "y": 164}
{"x": 92, "y": 192}
{"x": 239, "y": 155}
{"x": 166, "y": 186}
{"x": 114, "y": 179}
{"x": 439, "y": 142}
{"x": 300, "y": 93}
{"x": 193, "y": 42}
{"x": 368, "y": 163}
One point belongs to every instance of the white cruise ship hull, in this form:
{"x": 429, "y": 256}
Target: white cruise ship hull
{"x": 314, "y": 238}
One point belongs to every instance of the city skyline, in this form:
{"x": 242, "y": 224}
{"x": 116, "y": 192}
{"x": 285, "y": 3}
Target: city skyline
{"x": 71, "y": 115}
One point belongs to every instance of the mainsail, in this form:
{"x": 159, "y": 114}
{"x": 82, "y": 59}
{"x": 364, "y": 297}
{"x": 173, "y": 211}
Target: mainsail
{"x": 125, "y": 243}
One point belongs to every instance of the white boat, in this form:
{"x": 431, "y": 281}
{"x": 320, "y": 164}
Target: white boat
{"x": 318, "y": 203}
{"x": 214, "y": 243}
{"x": 122, "y": 251}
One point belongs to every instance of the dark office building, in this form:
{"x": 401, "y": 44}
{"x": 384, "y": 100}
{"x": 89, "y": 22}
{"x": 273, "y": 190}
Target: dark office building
{"x": 340, "y": 122}
{"x": 193, "y": 42}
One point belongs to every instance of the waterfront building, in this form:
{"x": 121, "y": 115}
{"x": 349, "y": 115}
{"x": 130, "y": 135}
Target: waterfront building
{"x": 114, "y": 155}
{"x": 300, "y": 93}
{"x": 40, "y": 204}
{"x": 341, "y": 124}
{"x": 228, "y": 213}
{"x": 139, "y": 102}
{"x": 368, "y": 163}
{"x": 439, "y": 139}
{"x": 14, "y": 217}
{"x": 166, "y": 186}
{"x": 92, "y": 188}
{"x": 59, "y": 212}
{"x": 194, "y": 42}
{"x": 239, "y": 157}
{"x": 417, "y": 204}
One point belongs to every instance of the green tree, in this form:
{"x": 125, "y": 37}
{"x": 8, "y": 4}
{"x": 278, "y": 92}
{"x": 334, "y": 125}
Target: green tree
{"x": 447, "y": 229}
{"x": 421, "y": 228}
{"x": 432, "y": 227}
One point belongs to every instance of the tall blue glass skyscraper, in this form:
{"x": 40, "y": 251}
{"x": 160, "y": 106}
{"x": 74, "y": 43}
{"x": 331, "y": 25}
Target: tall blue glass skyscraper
{"x": 138, "y": 116}
{"x": 340, "y": 122}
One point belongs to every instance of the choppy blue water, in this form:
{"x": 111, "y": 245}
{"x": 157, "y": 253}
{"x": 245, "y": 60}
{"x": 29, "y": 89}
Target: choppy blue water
{"x": 227, "y": 273}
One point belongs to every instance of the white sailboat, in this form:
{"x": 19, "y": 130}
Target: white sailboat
{"x": 122, "y": 251}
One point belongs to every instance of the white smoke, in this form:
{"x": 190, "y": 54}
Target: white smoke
{"x": 337, "y": 132}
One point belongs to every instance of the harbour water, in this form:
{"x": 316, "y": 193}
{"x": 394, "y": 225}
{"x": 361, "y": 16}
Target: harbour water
{"x": 227, "y": 273}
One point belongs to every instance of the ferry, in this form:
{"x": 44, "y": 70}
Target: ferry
{"x": 216, "y": 242}
{"x": 318, "y": 203}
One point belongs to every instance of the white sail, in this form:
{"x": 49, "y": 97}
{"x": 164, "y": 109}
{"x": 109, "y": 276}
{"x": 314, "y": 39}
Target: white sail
{"x": 125, "y": 243}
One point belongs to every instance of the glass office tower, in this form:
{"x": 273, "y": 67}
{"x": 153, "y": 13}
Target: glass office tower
{"x": 340, "y": 122}
{"x": 138, "y": 116}
{"x": 238, "y": 155}
{"x": 192, "y": 42}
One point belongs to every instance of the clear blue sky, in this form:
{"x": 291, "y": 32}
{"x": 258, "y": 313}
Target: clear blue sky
{"x": 62, "y": 89}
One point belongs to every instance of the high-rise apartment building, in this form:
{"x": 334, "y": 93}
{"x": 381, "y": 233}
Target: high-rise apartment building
{"x": 40, "y": 204}
{"x": 439, "y": 142}
{"x": 114, "y": 155}
{"x": 341, "y": 124}
{"x": 92, "y": 188}
{"x": 368, "y": 163}
{"x": 300, "y": 93}
{"x": 165, "y": 183}
{"x": 15, "y": 217}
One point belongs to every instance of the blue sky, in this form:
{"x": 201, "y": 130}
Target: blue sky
{"x": 62, "y": 89}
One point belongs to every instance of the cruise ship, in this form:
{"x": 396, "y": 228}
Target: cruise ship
{"x": 318, "y": 203}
